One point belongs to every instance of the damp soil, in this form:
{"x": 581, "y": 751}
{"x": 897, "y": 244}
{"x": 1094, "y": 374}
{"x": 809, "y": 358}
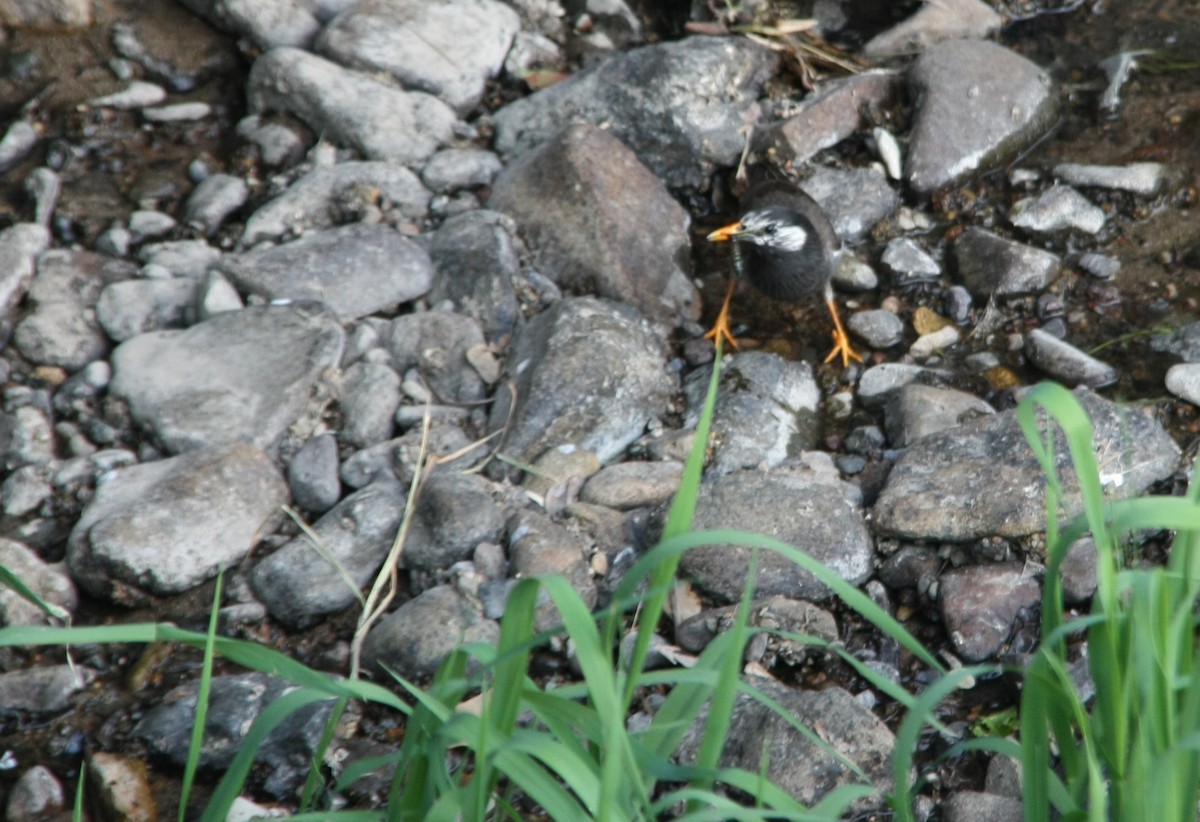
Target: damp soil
{"x": 111, "y": 164}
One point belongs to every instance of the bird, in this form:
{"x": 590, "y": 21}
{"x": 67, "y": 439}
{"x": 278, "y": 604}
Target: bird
{"x": 785, "y": 246}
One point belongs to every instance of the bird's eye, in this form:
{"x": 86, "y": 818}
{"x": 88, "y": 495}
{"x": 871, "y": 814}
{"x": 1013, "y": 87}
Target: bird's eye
{"x": 770, "y": 229}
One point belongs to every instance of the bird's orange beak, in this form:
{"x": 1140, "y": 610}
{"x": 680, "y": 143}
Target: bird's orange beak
{"x": 723, "y": 235}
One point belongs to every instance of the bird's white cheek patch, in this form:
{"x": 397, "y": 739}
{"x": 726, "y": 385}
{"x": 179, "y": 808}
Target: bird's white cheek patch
{"x": 790, "y": 238}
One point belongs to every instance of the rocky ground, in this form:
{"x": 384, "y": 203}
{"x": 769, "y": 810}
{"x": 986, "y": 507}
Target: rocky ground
{"x": 247, "y": 248}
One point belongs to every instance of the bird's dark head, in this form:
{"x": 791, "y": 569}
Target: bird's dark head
{"x": 775, "y": 227}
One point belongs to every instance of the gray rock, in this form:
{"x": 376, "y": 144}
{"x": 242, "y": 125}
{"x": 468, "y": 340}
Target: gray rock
{"x": 768, "y": 742}
{"x": 833, "y": 112}
{"x": 538, "y": 546}
{"x": 20, "y": 246}
{"x": 912, "y": 567}
{"x": 398, "y": 458}
{"x": 61, "y": 329}
{"x": 981, "y": 603}
{"x": 449, "y": 49}
{"x": 213, "y": 201}
{"x": 1100, "y": 266}
{"x": 313, "y": 474}
{"x": 981, "y": 479}
{"x": 417, "y": 636}
{"x": 177, "y": 113}
{"x": 1065, "y": 362}
{"x": 766, "y": 410}
{"x": 151, "y": 529}
{"x": 909, "y": 263}
{"x": 149, "y": 225}
{"x": 879, "y": 381}
{"x": 242, "y": 375}
{"x": 855, "y": 199}
{"x": 131, "y": 307}
{"x": 916, "y": 411}
{"x": 383, "y": 122}
{"x": 235, "y": 701}
{"x": 137, "y": 94}
{"x": 877, "y": 328}
{"x": 42, "y": 690}
{"x": 26, "y": 437}
{"x": 852, "y": 274}
{"x": 453, "y": 169}
{"x": 1058, "y": 208}
{"x": 436, "y": 344}
{"x": 18, "y": 142}
{"x": 356, "y": 269}
{"x": 678, "y": 105}
{"x": 1183, "y": 342}
{"x": 629, "y": 485}
{"x": 776, "y": 614}
{"x": 532, "y": 50}
{"x": 183, "y": 258}
{"x": 979, "y": 104}
{"x": 1078, "y": 569}
{"x": 588, "y": 372}
{"x": 215, "y": 295}
{"x": 975, "y": 806}
{"x": 1183, "y": 380}
{"x": 25, "y": 490}
{"x": 934, "y": 23}
{"x": 370, "y": 396}
{"x": 269, "y": 24}
{"x": 36, "y": 795}
{"x": 319, "y": 197}
{"x": 478, "y": 260}
{"x": 454, "y": 514}
{"x": 990, "y": 264}
{"x": 1145, "y": 179}
{"x": 278, "y": 144}
{"x": 299, "y": 585}
{"x": 599, "y": 222}
{"x": 812, "y": 510}
{"x": 44, "y": 187}
{"x": 48, "y": 581}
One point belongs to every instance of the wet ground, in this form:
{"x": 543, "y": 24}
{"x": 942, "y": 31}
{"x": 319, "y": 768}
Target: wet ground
{"x": 110, "y": 165}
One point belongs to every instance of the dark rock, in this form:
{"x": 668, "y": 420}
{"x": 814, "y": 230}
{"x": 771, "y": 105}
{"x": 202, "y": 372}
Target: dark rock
{"x": 989, "y": 264}
{"x": 478, "y": 259}
{"x": 416, "y": 637}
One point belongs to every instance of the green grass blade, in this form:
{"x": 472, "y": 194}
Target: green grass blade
{"x": 196, "y": 745}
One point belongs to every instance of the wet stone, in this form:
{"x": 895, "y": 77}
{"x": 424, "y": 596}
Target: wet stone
{"x": 131, "y": 307}
{"x": 854, "y": 198}
{"x": 980, "y": 605}
{"x": 916, "y": 411}
{"x": 1183, "y": 380}
{"x": 242, "y": 375}
{"x": 1059, "y": 208}
{"x": 37, "y": 795}
{"x": 43, "y": 690}
{"x": 61, "y": 329}
{"x": 369, "y": 398}
{"x": 811, "y": 509}
{"x": 679, "y": 106}
{"x": 909, "y": 263}
{"x": 477, "y": 257}
{"x": 629, "y": 485}
{"x": 449, "y": 49}
{"x": 299, "y": 585}
{"x": 455, "y": 513}
{"x": 912, "y": 567}
{"x": 588, "y": 372}
{"x": 1065, "y": 362}
{"x": 990, "y": 264}
{"x": 980, "y": 478}
{"x": 979, "y": 105}
{"x": 213, "y": 201}
{"x": 599, "y": 222}
{"x": 356, "y": 269}
{"x": 148, "y": 530}
{"x": 877, "y": 328}
{"x": 418, "y": 635}
{"x": 381, "y": 121}
{"x": 436, "y": 343}
{"x": 766, "y": 410}
{"x": 235, "y": 700}
{"x": 1145, "y": 179}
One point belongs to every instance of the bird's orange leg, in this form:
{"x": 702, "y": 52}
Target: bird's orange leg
{"x": 841, "y": 342}
{"x": 720, "y": 330}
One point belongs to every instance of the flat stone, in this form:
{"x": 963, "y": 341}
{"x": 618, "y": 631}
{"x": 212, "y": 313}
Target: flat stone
{"x": 1065, "y": 362}
{"x": 909, "y": 263}
{"x": 1183, "y": 380}
{"x": 478, "y": 259}
{"x": 599, "y": 222}
{"x": 149, "y": 531}
{"x": 934, "y": 23}
{"x": 917, "y": 411}
{"x": 981, "y": 603}
{"x": 629, "y": 485}
{"x": 267, "y": 24}
{"x": 43, "y": 690}
{"x": 356, "y": 269}
{"x": 418, "y": 635}
{"x": 1058, "y": 208}
{"x": 131, "y": 307}
{"x": 1145, "y": 179}
{"x": 48, "y": 580}
{"x": 878, "y": 328}
{"x": 20, "y": 246}
{"x": 990, "y": 264}
{"x": 242, "y": 375}
{"x": 313, "y": 474}
{"x": 381, "y": 121}
{"x": 855, "y": 199}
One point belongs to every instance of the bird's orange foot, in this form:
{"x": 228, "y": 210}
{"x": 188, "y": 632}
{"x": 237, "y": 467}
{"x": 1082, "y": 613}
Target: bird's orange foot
{"x": 842, "y": 348}
{"x": 720, "y": 330}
